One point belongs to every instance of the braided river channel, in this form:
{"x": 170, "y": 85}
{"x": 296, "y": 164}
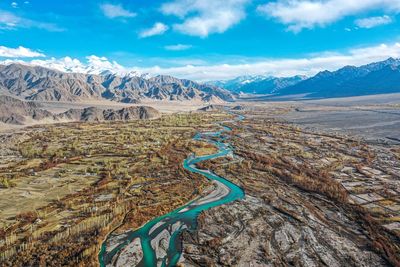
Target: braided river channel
{"x": 158, "y": 241}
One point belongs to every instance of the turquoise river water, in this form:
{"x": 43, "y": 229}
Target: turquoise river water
{"x": 184, "y": 217}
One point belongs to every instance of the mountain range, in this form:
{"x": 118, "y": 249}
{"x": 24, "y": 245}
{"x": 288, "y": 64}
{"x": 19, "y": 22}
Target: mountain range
{"x": 44, "y": 84}
{"x": 258, "y": 84}
{"x": 376, "y": 78}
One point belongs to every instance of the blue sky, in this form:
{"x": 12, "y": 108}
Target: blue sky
{"x": 201, "y": 39}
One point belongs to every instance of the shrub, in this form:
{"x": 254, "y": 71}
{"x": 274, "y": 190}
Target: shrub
{"x": 6, "y": 183}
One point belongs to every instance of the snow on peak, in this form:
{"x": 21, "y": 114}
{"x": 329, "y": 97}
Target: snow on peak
{"x": 94, "y": 65}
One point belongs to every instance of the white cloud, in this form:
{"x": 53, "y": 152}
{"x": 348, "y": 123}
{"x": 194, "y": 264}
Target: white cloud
{"x": 177, "y": 47}
{"x": 276, "y": 67}
{"x": 204, "y": 17}
{"x": 302, "y": 14}
{"x": 93, "y": 65}
{"x": 102, "y": 63}
{"x": 372, "y": 22}
{"x": 9, "y": 21}
{"x": 116, "y": 11}
{"x": 67, "y": 64}
{"x": 157, "y": 29}
{"x": 14, "y": 4}
{"x": 18, "y": 52}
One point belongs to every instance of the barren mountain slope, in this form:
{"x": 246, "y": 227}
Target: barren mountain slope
{"x": 42, "y": 84}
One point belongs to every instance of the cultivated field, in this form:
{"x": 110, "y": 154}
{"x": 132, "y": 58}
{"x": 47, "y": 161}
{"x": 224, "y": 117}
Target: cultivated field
{"x": 64, "y": 187}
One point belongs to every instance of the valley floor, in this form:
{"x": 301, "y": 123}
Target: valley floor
{"x": 322, "y": 185}
{"x": 64, "y": 187}
{"x": 162, "y": 106}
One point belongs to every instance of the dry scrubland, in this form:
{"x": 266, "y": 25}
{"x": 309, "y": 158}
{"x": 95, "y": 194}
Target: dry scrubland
{"x": 312, "y": 199}
{"x": 64, "y": 187}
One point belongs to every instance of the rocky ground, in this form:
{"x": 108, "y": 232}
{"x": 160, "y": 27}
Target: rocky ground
{"x": 287, "y": 229}
{"x": 302, "y": 205}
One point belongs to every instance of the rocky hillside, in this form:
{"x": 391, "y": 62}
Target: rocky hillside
{"x": 43, "y": 84}
{"x": 97, "y": 114}
{"x": 212, "y": 108}
{"x": 15, "y": 111}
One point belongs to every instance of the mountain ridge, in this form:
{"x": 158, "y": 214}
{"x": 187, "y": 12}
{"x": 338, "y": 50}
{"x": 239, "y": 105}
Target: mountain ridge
{"x": 44, "y": 84}
{"x": 258, "y": 84}
{"x": 15, "y": 111}
{"x": 373, "y": 78}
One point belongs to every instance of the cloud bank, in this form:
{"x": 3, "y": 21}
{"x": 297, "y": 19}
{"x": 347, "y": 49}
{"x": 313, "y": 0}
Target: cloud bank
{"x": 18, "y": 52}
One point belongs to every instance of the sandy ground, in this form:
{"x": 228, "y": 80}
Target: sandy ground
{"x": 374, "y": 117}
{"x": 5, "y": 127}
{"x": 162, "y": 106}
{"x": 166, "y": 107}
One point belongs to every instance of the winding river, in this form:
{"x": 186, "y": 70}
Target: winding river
{"x": 157, "y": 243}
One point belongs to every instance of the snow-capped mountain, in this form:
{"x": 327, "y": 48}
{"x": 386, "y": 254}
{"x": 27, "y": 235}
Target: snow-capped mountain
{"x": 95, "y": 65}
{"x": 237, "y": 82}
{"x": 260, "y": 84}
{"x": 374, "y": 78}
